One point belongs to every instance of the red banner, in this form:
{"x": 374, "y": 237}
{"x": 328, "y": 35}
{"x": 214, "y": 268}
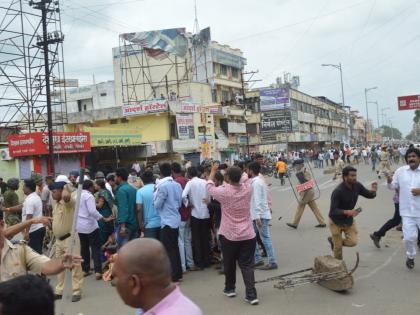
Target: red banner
{"x": 305, "y": 186}
{"x": 409, "y": 102}
{"x": 36, "y": 143}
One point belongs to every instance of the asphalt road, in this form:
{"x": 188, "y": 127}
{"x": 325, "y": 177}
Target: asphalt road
{"x": 383, "y": 283}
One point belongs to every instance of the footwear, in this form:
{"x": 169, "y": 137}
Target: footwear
{"x": 268, "y": 267}
{"x": 194, "y": 268}
{"x": 252, "y": 301}
{"x": 292, "y": 225}
{"x": 321, "y": 226}
{"x": 76, "y": 298}
{"x": 229, "y": 293}
{"x": 58, "y": 296}
{"x": 98, "y": 276}
{"x": 399, "y": 228}
{"x": 409, "y": 263}
{"x": 258, "y": 264}
{"x": 86, "y": 274}
{"x": 330, "y": 240}
{"x": 376, "y": 239}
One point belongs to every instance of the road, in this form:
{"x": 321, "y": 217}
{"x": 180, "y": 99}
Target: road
{"x": 383, "y": 283}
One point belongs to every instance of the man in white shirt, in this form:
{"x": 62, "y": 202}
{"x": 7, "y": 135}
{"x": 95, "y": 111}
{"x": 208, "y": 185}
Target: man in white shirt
{"x": 261, "y": 216}
{"x": 197, "y": 196}
{"x": 88, "y": 229}
{"x": 407, "y": 180}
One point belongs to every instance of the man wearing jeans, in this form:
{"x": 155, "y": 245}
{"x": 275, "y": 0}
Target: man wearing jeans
{"x": 168, "y": 201}
{"x": 261, "y": 216}
{"x": 125, "y": 199}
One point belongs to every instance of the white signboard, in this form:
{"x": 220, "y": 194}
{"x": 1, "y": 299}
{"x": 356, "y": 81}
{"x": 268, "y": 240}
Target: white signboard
{"x": 144, "y": 108}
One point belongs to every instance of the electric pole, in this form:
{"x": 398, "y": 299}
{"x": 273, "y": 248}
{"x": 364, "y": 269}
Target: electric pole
{"x": 45, "y": 6}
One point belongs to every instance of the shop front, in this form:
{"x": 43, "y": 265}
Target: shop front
{"x": 31, "y": 151}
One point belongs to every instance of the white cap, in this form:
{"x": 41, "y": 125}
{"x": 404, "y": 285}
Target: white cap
{"x": 62, "y": 178}
{"x": 84, "y": 178}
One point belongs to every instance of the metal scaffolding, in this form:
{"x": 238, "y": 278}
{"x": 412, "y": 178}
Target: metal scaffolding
{"x": 32, "y": 81}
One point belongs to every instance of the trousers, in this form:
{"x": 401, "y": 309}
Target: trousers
{"x": 200, "y": 231}
{"x": 169, "y": 239}
{"x": 90, "y": 245}
{"x": 411, "y": 225}
{"x": 185, "y": 247}
{"x": 61, "y": 248}
{"x": 243, "y": 253}
{"x": 264, "y": 232}
{"x": 395, "y": 221}
{"x": 314, "y": 207}
{"x": 350, "y": 237}
{"x": 36, "y": 240}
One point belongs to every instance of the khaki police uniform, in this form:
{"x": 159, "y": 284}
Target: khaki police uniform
{"x": 384, "y": 166}
{"x": 18, "y": 260}
{"x": 62, "y": 225}
{"x": 307, "y": 198}
{"x": 339, "y": 166}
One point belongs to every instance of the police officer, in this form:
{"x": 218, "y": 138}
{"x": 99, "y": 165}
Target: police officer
{"x": 338, "y": 164}
{"x": 383, "y": 163}
{"x": 306, "y": 197}
{"x": 63, "y": 213}
{"x": 18, "y": 260}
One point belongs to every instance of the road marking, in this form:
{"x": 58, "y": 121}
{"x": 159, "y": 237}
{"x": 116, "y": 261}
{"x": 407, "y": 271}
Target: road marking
{"x": 380, "y": 267}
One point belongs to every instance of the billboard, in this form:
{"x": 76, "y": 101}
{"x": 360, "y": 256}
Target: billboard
{"x": 274, "y": 99}
{"x": 274, "y": 123}
{"x": 111, "y": 137}
{"x": 409, "y": 102}
{"x": 144, "y": 108}
{"x": 36, "y": 143}
{"x": 185, "y": 126}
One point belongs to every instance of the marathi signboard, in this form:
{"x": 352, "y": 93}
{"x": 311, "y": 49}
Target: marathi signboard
{"x": 36, "y": 143}
{"x": 144, "y": 108}
{"x": 274, "y": 99}
{"x": 111, "y": 137}
{"x": 185, "y": 126}
{"x": 409, "y": 102}
{"x": 273, "y": 123}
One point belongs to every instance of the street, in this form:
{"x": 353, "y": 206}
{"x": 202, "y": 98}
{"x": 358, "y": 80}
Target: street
{"x": 383, "y": 284}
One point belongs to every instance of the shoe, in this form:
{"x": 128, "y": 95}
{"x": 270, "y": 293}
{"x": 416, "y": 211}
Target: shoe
{"x": 259, "y": 264}
{"x": 76, "y": 298}
{"x": 409, "y": 263}
{"x": 292, "y": 225}
{"x": 86, "y": 274}
{"x": 252, "y": 301}
{"x": 194, "y": 268}
{"x": 98, "y": 276}
{"x": 330, "y": 240}
{"x": 268, "y": 267}
{"x": 376, "y": 239}
{"x": 399, "y": 228}
{"x": 58, "y": 296}
{"x": 229, "y": 293}
{"x": 321, "y": 226}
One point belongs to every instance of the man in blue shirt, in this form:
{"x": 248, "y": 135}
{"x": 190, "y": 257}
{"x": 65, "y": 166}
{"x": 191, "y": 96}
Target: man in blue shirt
{"x": 148, "y": 217}
{"x": 168, "y": 201}
{"x": 125, "y": 199}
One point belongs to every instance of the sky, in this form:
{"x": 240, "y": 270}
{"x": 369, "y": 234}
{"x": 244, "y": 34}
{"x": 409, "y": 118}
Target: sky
{"x": 376, "y": 41}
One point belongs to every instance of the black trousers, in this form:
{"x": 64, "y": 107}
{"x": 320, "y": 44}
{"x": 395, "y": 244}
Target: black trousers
{"x": 242, "y": 252}
{"x": 200, "y": 234}
{"x": 395, "y": 221}
{"x": 36, "y": 239}
{"x": 169, "y": 239}
{"x": 90, "y": 242}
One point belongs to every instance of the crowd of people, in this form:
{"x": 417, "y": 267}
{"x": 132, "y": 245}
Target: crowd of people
{"x": 211, "y": 214}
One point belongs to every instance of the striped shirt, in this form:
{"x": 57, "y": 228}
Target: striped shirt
{"x": 236, "y": 224}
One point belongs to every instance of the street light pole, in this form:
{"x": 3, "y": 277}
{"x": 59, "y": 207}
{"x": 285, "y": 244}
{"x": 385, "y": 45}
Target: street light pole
{"x": 383, "y": 115}
{"x": 367, "y": 112}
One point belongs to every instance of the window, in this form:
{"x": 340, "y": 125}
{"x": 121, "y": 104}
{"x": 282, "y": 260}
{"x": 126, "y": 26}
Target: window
{"x": 225, "y": 96}
{"x": 84, "y": 107}
{"x": 235, "y": 73}
{"x": 223, "y": 70}
{"x": 79, "y": 105}
{"x": 103, "y": 94}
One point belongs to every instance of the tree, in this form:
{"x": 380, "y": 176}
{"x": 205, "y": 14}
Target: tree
{"x": 391, "y": 132}
{"x": 417, "y": 116}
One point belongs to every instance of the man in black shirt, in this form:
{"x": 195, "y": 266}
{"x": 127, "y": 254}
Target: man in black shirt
{"x": 342, "y": 211}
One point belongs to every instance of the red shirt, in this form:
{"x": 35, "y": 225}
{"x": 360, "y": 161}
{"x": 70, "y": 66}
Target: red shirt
{"x": 184, "y": 211}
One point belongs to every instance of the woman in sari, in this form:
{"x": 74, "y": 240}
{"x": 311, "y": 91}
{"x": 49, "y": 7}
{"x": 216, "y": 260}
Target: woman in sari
{"x": 104, "y": 204}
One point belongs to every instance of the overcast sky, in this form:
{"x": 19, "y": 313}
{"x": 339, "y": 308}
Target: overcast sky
{"x": 377, "y": 42}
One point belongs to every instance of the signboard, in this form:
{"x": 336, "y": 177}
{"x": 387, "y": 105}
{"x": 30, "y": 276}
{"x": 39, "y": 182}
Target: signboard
{"x": 278, "y": 121}
{"x": 305, "y": 186}
{"x": 236, "y": 127}
{"x": 185, "y": 126}
{"x": 144, "y": 108}
{"x": 5, "y": 155}
{"x": 185, "y": 145}
{"x": 36, "y": 143}
{"x": 409, "y": 102}
{"x": 274, "y": 99}
{"x": 70, "y": 83}
{"x": 111, "y": 137}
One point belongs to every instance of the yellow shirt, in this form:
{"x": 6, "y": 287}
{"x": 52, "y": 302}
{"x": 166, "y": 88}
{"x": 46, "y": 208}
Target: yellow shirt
{"x": 17, "y": 260}
{"x": 63, "y": 213}
{"x": 281, "y": 167}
